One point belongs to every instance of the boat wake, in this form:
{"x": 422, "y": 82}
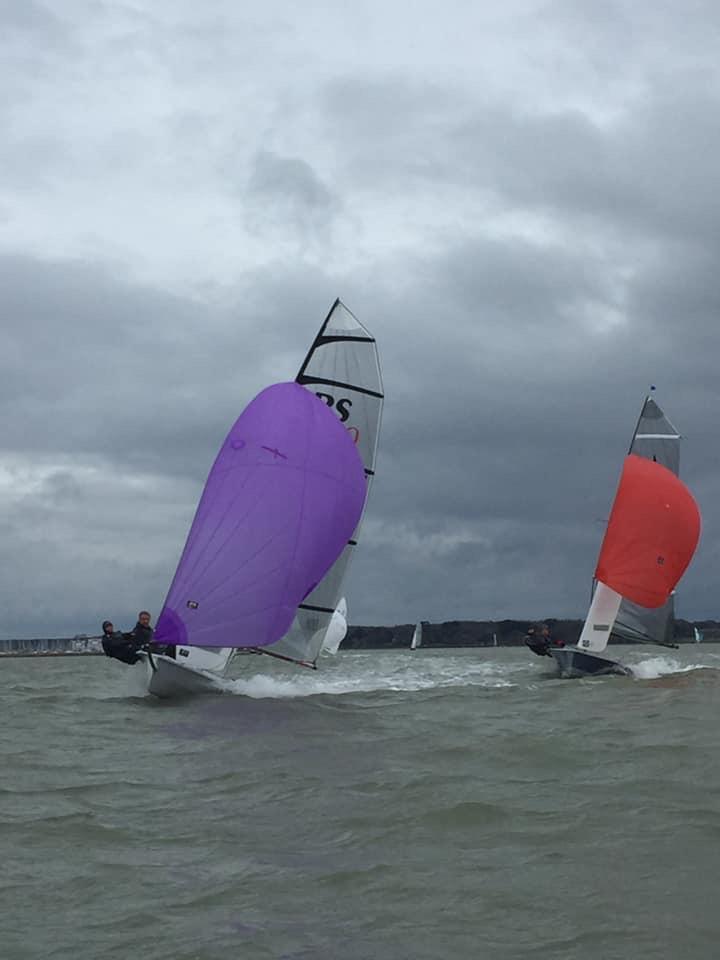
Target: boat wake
{"x": 357, "y": 678}
{"x": 656, "y": 667}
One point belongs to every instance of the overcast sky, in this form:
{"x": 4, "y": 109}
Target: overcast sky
{"x": 520, "y": 199}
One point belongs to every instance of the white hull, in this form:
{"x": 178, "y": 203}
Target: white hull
{"x": 167, "y": 677}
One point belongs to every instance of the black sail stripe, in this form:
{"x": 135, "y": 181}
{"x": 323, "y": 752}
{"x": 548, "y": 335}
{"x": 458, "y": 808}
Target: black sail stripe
{"x": 341, "y": 338}
{"x": 314, "y": 345}
{"x": 303, "y": 379}
{"x": 309, "y": 606}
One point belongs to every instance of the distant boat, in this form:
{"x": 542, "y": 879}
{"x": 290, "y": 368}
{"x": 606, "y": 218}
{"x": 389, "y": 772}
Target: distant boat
{"x": 264, "y": 562}
{"x": 650, "y": 539}
{"x": 698, "y": 635}
{"x": 336, "y": 631}
{"x": 416, "y": 637}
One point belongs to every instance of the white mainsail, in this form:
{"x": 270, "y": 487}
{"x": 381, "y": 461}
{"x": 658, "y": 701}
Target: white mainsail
{"x": 416, "y": 637}
{"x": 342, "y": 368}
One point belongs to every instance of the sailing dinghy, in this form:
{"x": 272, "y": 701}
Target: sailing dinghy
{"x": 651, "y": 536}
{"x": 284, "y": 467}
{"x": 282, "y": 499}
{"x": 416, "y": 637}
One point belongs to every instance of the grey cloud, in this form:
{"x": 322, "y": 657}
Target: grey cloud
{"x": 651, "y": 170}
{"x": 285, "y": 192}
{"x": 29, "y": 16}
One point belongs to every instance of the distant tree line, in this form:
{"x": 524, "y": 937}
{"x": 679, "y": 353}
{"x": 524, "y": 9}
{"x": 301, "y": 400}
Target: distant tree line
{"x": 484, "y": 633}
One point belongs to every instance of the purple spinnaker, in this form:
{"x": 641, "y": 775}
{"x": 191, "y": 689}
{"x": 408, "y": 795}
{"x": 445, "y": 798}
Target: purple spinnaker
{"x": 281, "y": 501}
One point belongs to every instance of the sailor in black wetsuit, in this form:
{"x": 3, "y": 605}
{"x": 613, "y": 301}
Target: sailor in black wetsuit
{"x": 539, "y": 643}
{"x": 143, "y": 636}
{"x": 142, "y": 632}
{"x": 119, "y": 646}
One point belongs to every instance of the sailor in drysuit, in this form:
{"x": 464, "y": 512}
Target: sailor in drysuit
{"x": 119, "y": 646}
{"x": 540, "y": 642}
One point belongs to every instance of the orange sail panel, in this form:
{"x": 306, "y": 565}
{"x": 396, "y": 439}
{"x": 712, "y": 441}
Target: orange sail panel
{"x": 652, "y": 533}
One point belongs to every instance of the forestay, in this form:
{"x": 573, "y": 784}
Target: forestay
{"x": 342, "y": 368}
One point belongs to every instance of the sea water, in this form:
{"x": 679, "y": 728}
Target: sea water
{"x": 433, "y": 804}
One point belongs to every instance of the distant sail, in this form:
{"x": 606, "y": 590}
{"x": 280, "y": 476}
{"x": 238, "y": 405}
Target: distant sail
{"x": 654, "y": 438}
{"x": 337, "y": 629}
{"x": 416, "y": 637}
{"x": 651, "y": 537}
{"x": 283, "y": 497}
{"x": 342, "y": 368}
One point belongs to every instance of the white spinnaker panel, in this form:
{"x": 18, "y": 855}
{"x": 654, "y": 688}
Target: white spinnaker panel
{"x": 600, "y": 619}
{"x": 416, "y": 637}
{"x": 343, "y": 369}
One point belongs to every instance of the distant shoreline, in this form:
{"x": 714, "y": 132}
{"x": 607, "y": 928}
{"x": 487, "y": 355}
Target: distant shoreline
{"x": 425, "y": 646}
{"x": 33, "y": 655}
{"x": 446, "y": 635}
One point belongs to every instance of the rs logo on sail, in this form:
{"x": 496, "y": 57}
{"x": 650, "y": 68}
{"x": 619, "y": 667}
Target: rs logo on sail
{"x": 342, "y": 405}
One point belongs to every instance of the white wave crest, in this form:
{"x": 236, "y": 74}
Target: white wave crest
{"x": 365, "y": 676}
{"x": 656, "y": 667}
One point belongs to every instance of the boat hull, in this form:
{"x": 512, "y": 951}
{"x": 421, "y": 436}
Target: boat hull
{"x": 168, "y": 678}
{"x": 573, "y": 662}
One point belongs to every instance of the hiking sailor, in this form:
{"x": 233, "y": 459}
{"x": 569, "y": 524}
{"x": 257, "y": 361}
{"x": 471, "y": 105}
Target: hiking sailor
{"x": 119, "y": 646}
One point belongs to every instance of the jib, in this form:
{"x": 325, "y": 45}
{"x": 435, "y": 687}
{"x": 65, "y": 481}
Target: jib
{"x": 342, "y": 405}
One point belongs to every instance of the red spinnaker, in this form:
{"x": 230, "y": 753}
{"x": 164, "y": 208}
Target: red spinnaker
{"x": 652, "y": 533}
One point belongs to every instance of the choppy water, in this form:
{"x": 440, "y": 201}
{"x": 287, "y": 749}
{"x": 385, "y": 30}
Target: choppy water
{"x": 430, "y": 805}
